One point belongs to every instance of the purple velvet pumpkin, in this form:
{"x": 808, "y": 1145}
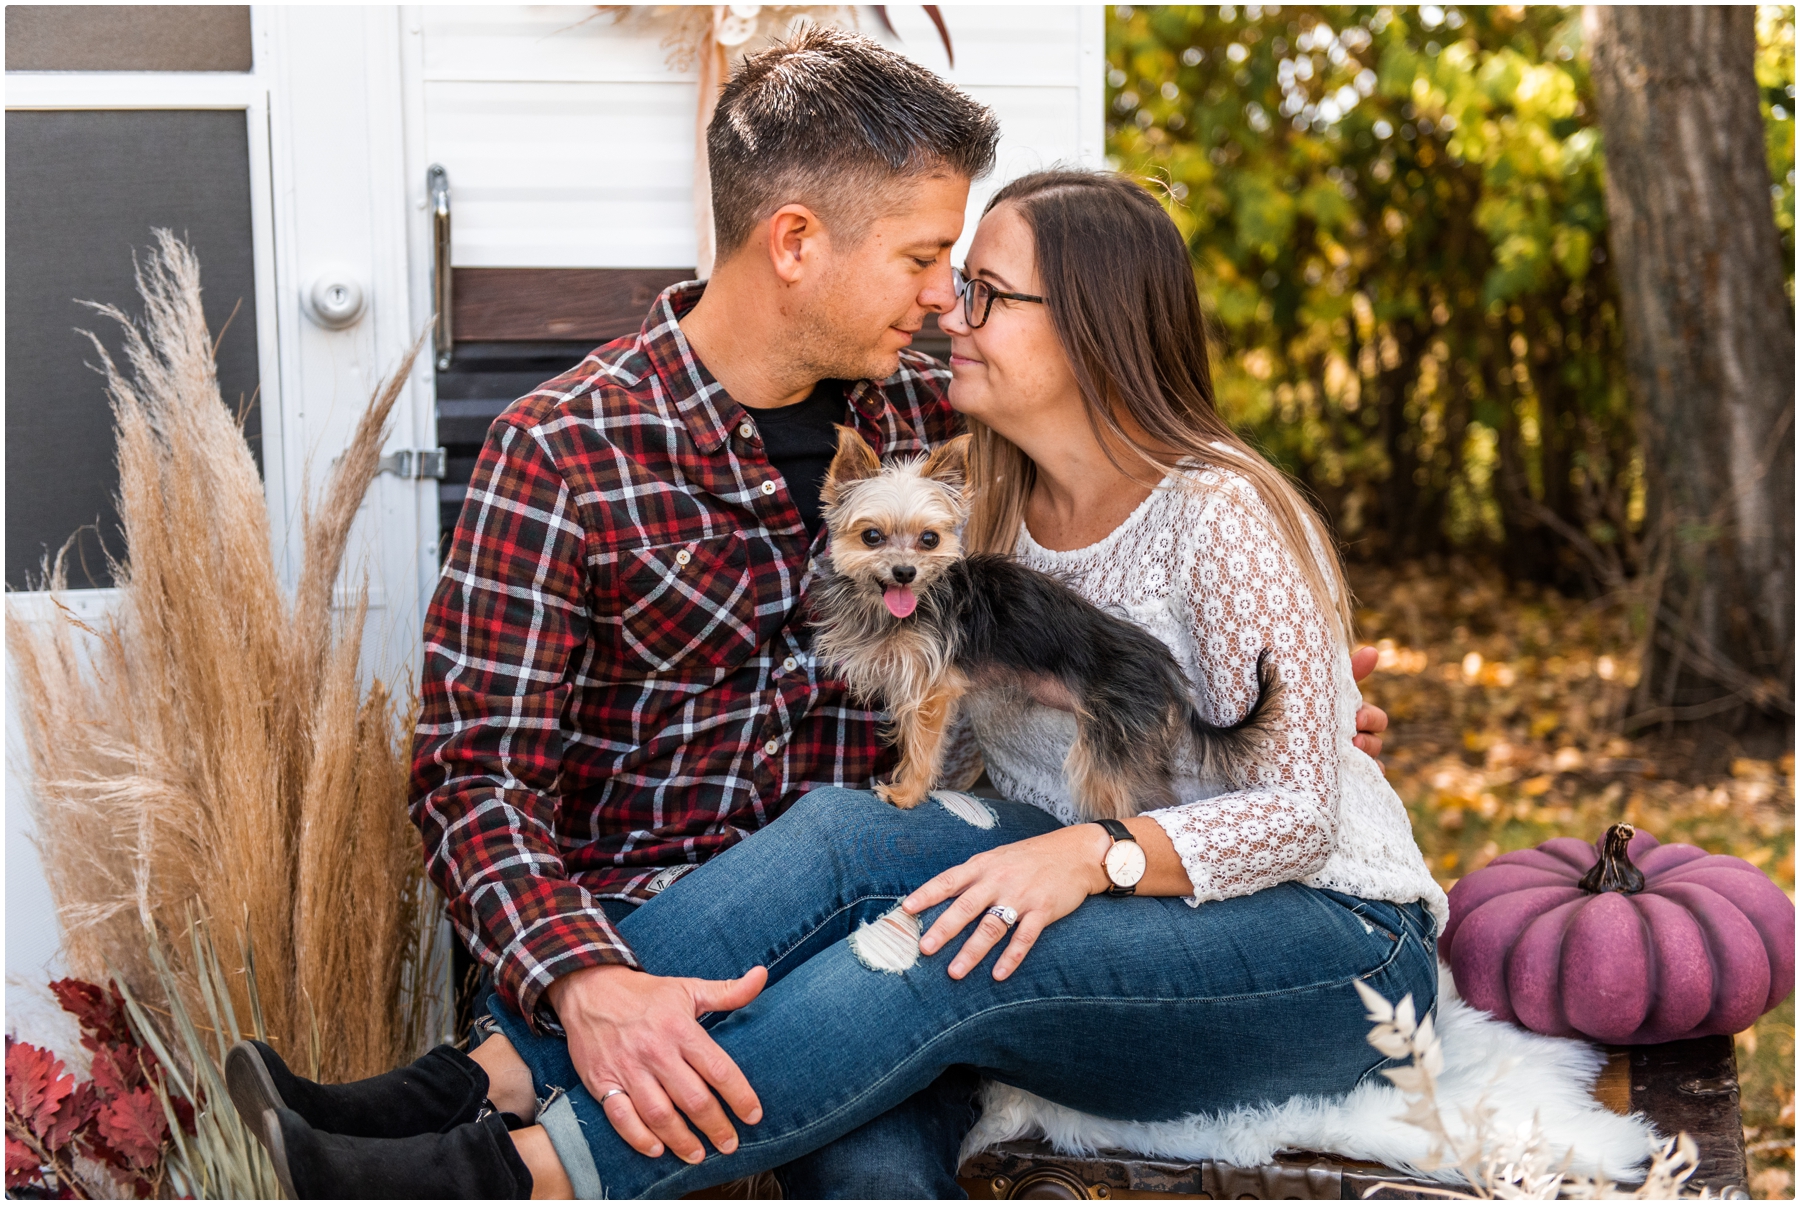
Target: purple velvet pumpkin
{"x": 1630, "y": 943}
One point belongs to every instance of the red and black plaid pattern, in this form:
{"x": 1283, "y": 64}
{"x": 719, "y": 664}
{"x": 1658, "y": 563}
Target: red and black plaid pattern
{"x": 617, "y": 680}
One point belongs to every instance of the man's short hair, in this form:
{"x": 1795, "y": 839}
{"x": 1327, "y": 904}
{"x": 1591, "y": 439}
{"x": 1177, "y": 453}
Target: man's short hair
{"x": 825, "y": 119}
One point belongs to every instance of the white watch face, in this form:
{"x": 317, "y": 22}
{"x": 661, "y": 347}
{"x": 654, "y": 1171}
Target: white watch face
{"x": 1125, "y": 863}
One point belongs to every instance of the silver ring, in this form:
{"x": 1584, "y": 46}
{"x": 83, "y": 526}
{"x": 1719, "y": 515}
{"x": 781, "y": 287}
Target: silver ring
{"x": 610, "y": 1092}
{"x": 1006, "y": 915}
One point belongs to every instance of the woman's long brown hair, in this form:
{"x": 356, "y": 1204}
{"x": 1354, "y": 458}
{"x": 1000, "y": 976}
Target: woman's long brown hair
{"x": 1119, "y": 287}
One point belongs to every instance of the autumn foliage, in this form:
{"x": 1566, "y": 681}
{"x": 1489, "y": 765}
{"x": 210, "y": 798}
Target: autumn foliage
{"x": 60, "y": 1130}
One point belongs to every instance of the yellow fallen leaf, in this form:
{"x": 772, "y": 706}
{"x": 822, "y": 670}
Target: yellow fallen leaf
{"x": 1749, "y": 767}
{"x": 1537, "y": 786}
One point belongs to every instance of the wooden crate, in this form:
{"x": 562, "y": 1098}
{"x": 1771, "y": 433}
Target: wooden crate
{"x": 1689, "y": 1086}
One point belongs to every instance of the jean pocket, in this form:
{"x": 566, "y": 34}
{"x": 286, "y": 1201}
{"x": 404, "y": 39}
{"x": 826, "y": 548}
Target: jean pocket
{"x": 1377, "y": 917}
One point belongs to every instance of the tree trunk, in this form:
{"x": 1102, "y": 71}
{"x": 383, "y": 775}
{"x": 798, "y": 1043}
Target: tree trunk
{"x": 1709, "y": 343}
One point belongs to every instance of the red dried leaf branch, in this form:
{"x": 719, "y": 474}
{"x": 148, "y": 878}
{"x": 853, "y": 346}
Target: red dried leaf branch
{"x": 115, "y": 1119}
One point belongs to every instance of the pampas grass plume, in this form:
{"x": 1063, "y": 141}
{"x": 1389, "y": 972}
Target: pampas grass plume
{"x": 214, "y": 753}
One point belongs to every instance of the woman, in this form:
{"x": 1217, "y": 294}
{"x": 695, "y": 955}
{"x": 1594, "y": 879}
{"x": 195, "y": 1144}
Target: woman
{"x": 1079, "y": 359}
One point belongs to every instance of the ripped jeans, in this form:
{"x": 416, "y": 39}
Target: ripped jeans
{"x": 1138, "y": 1008}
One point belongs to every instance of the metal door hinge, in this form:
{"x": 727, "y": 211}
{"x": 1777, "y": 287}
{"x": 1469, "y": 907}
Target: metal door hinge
{"x": 416, "y": 464}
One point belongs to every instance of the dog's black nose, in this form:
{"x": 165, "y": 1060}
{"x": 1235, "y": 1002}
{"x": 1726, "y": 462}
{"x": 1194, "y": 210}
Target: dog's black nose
{"x": 904, "y": 574}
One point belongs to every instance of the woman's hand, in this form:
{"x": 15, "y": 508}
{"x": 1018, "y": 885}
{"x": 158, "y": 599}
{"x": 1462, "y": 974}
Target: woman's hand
{"x": 1371, "y": 721}
{"x": 1042, "y": 878}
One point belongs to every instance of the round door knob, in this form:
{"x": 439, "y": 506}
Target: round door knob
{"x": 335, "y": 300}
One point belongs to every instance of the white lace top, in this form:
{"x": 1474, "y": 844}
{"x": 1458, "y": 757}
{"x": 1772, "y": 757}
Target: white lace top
{"x": 1202, "y": 569}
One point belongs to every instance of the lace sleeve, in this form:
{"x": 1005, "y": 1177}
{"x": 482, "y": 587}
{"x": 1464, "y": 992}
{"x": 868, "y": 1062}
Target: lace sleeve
{"x": 1247, "y": 594}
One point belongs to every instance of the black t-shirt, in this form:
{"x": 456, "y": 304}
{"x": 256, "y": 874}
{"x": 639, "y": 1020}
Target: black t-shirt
{"x": 799, "y": 442}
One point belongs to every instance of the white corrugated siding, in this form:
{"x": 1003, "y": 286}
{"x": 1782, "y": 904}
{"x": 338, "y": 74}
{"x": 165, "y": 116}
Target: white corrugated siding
{"x": 569, "y": 142}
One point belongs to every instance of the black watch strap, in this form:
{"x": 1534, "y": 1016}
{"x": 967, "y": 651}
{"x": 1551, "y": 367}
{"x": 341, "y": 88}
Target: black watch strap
{"x": 1118, "y": 832}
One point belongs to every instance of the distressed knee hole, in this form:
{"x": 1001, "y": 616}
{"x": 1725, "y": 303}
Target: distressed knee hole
{"x": 888, "y": 943}
{"x": 967, "y": 808}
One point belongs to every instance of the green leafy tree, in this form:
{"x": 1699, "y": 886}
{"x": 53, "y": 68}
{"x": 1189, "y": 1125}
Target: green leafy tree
{"x": 1398, "y": 215}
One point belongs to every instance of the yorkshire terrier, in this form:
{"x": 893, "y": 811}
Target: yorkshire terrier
{"x": 905, "y": 617}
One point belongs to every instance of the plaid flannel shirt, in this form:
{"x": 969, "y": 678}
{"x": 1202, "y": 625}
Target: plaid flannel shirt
{"x": 618, "y": 683}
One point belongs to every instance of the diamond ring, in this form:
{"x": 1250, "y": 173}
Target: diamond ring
{"x": 1005, "y": 915}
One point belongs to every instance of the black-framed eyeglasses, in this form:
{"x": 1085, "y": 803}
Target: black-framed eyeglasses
{"x": 978, "y": 298}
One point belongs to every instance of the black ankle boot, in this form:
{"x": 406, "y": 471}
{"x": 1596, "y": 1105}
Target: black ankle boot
{"x": 473, "y": 1161}
{"x": 437, "y": 1092}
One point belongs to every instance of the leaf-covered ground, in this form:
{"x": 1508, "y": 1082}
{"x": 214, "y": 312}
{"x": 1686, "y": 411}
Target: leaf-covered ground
{"x": 1504, "y": 701}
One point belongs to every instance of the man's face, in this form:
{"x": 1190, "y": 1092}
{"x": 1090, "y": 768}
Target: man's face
{"x": 870, "y": 298}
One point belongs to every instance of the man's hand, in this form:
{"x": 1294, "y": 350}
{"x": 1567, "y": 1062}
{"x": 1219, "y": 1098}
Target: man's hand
{"x": 1371, "y": 721}
{"x": 639, "y": 1033}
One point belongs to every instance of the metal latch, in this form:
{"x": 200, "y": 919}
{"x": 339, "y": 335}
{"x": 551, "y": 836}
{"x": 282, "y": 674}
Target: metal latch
{"x": 443, "y": 339}
{"x": 415, "y": 464}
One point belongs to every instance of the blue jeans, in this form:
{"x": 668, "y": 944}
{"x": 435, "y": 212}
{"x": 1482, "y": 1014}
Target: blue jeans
{"x": 1136, "y": 1008}
{"x": 908, "y": 1153}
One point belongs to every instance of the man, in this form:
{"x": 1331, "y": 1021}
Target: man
{"x": 618, "y": 682}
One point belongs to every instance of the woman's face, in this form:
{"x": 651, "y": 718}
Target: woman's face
{"x": 1012, "y": 373}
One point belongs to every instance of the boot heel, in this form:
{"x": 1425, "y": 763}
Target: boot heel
{"x": 252, "y": 1089}
{"x": 273, "y": 1142}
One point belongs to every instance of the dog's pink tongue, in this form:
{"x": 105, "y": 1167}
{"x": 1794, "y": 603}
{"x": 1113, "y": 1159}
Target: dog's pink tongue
{"x": 900, "y": 600}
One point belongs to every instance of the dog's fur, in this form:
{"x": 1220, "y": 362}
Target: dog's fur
{"x": 985, "y": 623}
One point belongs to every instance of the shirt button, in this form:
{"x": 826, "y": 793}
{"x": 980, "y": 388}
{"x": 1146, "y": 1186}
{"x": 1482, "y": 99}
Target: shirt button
{"x": 745, "y": 429}
{"x": 683, "y": 557}
{"x": 790, "y": 665}
{"x": 768, "y": 487}
{"x": 772, "y": 748}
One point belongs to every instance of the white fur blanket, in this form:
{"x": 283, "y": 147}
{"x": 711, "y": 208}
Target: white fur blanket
{"x": 1551, "y": 1077}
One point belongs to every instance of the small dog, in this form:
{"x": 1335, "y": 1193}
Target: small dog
{"x": 905, "y": 617}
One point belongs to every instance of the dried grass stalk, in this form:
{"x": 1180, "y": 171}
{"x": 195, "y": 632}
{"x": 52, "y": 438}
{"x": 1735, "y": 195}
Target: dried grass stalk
{"x": 217, "y": 752}
{"x": 1496, "y": 1166}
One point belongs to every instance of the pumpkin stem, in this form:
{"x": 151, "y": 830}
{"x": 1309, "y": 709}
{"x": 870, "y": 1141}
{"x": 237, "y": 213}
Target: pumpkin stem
{"x": 1614, "y": 871}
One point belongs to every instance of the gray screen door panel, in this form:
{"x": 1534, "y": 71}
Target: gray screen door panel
{"x": 83, "y": 191}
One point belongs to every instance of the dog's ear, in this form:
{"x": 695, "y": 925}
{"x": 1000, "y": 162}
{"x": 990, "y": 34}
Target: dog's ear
{"x": 854, "y": 461}
{"x": 949, "y": 463}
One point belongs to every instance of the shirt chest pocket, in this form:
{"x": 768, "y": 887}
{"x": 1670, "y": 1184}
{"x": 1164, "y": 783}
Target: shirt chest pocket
{"x": 688, "y": 604}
